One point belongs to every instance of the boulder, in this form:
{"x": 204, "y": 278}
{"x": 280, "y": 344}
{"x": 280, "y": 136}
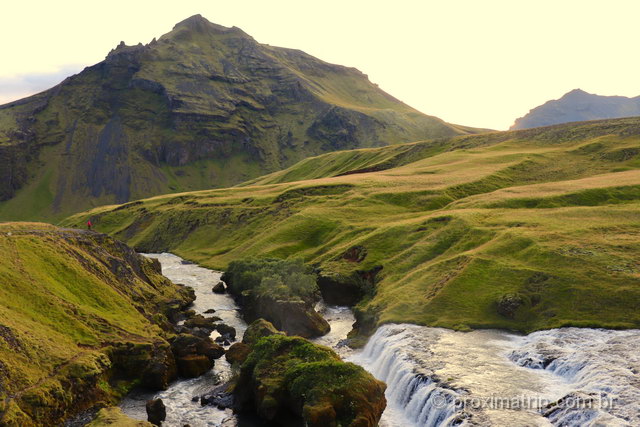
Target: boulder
{"x": 258, "y": 329}
{"x": 220, "y": 397}
{"x": 194, "y": 355}
{"x": 193, "y": 365}
{"x": 219, "y": 288}
{"x": 156, "y": 411}
{"x": 199, "y": 321}
{"x": 226, "y": 331}
{"x": 237, "y": 353}
{"x": 295, "y": 317}
{"x": 284, "y": 375}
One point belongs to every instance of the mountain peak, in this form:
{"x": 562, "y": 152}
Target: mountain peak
{"x": 199, "y": 24}
{"x": 576, "y": 93}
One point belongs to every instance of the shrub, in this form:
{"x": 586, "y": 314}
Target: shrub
{"x": 275, "y": 278}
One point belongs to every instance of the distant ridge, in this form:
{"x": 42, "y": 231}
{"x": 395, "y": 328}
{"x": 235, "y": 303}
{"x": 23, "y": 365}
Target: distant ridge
{"x": 577, "y": 106}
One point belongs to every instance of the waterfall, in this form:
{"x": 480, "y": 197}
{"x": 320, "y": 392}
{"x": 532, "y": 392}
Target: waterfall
{"x": 418, "y": 396}
{"x": 601, "y": 366}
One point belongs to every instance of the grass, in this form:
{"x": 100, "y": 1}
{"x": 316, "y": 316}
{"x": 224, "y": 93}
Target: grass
{"x": 456, "y": 224}
{"x": 65, "y": 298}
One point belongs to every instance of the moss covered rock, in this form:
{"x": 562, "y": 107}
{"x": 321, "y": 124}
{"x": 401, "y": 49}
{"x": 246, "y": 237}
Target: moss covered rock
{"x": 114, "y": 417}
{"x": 237, "y": 353}
{"x": 290, "y": 377}
{"x": 259, "y": 328}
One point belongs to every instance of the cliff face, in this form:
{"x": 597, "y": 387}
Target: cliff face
{"x": 81, "y": 317}
{"x": 204, "y": 106}
{"x": 578, "y": 106}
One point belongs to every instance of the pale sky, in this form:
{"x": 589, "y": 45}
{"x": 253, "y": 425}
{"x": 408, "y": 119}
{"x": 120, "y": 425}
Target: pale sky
{"x": 476, "y": 63}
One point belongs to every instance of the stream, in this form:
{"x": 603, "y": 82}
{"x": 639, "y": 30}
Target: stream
{"x": 439, "y": 377}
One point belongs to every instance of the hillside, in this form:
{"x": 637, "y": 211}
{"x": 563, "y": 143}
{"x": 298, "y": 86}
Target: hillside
{"x": 579, "y": 106}
{"x": 80, "y": 321}
{"x": 203, "y": 106}
{"x": 520, "y": 230}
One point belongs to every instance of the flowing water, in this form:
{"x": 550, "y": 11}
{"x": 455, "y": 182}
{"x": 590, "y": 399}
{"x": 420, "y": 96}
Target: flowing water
{"x": 181, "y": 409}
{"x": 438, "y": 377}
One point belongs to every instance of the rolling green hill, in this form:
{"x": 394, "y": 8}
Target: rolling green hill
{"x": 80, "y": 322}
{"x": 203, "y": 106}
{"x": 521, "y": 230}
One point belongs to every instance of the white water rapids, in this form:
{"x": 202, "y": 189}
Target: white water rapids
{"x": 438, "y": 377}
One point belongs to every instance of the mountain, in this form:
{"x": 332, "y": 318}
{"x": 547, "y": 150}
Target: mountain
{"x": 203, "y": 106}
{"x": 579, "y": 106}
{"x": 521, "y": 230}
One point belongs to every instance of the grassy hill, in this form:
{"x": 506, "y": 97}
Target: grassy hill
{"x": 80, "y": 320}
{"x": 521, "y": 230}
{"x": 203, "y": 106}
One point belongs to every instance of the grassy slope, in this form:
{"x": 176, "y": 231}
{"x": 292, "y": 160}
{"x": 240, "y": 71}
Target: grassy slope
{"x": 550, "y": 214}
{"x": 65, "y": 297}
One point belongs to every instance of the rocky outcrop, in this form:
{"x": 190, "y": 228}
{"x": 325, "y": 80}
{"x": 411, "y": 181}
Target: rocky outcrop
{"x": 284, "y": 292}
{"x": 194, "y": 355}
{"x": 341, "y": 289}
{"x": 259, "y": 328}
{"x": 289, "y": 378}
{"x": 156, "y": 411}
{"x": 508, "y": 304}
{"x": 293, "y": 317}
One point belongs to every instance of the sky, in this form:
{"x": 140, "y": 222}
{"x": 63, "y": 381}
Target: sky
{"x": 476, "y": 63}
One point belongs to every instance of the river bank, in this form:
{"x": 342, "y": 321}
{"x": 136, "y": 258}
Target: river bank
{"x": 439, "y": 377}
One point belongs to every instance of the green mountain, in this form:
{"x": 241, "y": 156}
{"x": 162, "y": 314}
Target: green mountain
{"x": 82, "y": 319}
{"x": 578, "y": 106}
{"x": 521, "y": 230}
{"x": 204, "y": 106}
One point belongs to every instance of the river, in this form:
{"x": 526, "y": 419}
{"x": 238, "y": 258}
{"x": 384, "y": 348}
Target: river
{"x": 438, "y": 377}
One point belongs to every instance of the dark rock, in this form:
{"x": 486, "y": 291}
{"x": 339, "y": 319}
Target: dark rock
{"x": 237, "y": 353}
{"x": 220, "y": 397}
{"x": 210, "y": 311}
{"x": 293, "y": 317}
{"x": 156, "y": 411}
{"x": 228, "y": 332}
{"x": 219, "y": 288}
{"x": 508, "y": 305}
{"x": 153, "y": 363}
{"x": 199, "y": 321}
{"x": 222, "y": 340}
{"x": 338, "y": 289}
{"x": 355, "y": 254}
{"x": 193, "y": 365}
{"x": 186, "y": 344}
